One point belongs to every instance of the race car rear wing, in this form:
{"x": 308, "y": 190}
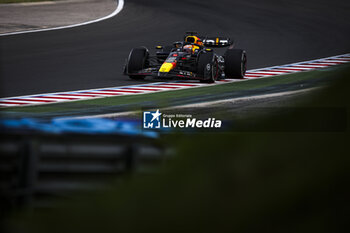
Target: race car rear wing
{"x": 217, "y": 42}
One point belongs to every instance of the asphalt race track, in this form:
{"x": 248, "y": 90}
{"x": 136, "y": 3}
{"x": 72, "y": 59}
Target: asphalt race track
{"x": 272, "y": 32}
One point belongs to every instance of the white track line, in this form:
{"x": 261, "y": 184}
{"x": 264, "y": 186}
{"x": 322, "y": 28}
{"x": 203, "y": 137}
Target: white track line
{"x": 120, "y": 5}
{"x": 254, "y": 97}
{"x": 205, "y": 104}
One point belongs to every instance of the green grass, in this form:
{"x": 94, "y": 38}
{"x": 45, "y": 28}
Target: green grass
{"x": 169, "y": 98}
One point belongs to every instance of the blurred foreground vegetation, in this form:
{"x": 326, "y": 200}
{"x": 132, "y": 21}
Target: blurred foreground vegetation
{"x": 229, "y": 182}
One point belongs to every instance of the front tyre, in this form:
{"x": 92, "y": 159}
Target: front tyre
{"x": 207, "y": 67}
{"x": 235, "y": 63}
{"x": 137, "y": 61}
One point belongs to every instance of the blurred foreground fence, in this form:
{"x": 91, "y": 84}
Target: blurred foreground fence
{"x": 34, "y": 167}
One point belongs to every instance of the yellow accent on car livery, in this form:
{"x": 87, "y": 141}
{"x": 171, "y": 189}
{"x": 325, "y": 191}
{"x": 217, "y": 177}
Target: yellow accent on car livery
{"x": 194, "y": 48}
{"x": 194, "y": 39}
{"x": 166, "y": 67}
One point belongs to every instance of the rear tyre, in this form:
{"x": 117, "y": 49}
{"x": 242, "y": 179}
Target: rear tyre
{"x": 235, "y": 63}
{"x": 137, "y": 61}
{"x": 207, "y": 67}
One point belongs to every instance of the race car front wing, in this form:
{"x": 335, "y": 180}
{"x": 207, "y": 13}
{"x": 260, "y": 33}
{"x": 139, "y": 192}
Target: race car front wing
{"x": 154, "y": 72}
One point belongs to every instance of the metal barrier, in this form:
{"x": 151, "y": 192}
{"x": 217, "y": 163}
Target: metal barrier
{"x": 36, "y": 166}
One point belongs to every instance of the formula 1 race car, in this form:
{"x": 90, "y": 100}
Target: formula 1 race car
{"x": 192, "y": 58}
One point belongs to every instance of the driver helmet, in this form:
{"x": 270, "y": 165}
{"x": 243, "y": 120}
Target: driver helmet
{"x": 188, "y": 48}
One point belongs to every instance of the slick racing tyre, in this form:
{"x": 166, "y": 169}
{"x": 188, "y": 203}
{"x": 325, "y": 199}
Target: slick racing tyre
{"x": 207, "y": 67}
{"x": 235, "y": 63}
{"x": 137, "y": 61}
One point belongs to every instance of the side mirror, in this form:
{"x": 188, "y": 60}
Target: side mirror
{"x": 178, "y": 44}
{"x": 159, "y": 47}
